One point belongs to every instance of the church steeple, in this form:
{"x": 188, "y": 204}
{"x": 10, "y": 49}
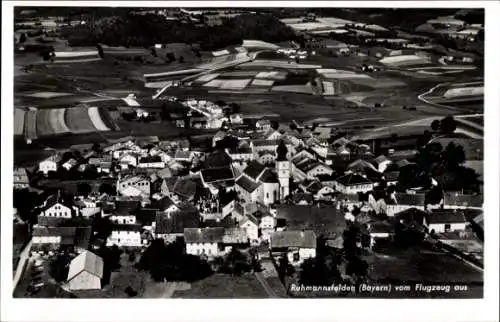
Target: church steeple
{"x": 281, "y": 151}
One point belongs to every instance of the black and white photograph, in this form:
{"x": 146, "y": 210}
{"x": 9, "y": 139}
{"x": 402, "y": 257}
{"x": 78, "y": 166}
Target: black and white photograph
{"x": 248, "y": 152}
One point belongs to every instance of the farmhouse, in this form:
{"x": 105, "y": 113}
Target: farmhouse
{"x": 53, "y": 207}
{"x": 403, "y": 201}
{"x": 52, "y": 238}
{"x": 85, "y": 272}
{"x": 462, "y": 201}
{"x": 125, "y": 235}
{"x": 441, "y": 221}
{"x": 297, "y": 245}
{"x": 21, "y": 179}
{"x": 151, "y": 162}
{"x": 207, "y": 241}
{"x": 380, "y": 231}
{"x": 170, "y": 226}
{"x": 140, "y": 186}
{"x": 352, "y": 184}
{"x": 251, "y": 226}
{"x": 49, "y": 164}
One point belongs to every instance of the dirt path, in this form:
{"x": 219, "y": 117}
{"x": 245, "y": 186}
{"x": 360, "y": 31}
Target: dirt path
{"x": 265, "y": 285}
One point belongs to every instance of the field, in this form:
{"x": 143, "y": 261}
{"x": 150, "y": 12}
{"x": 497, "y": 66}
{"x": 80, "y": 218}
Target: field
{"x": 19, "y": 121}
{"x": 224, "y": 286}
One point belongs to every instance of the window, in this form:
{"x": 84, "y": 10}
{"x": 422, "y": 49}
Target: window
{"x": 296, "y": 257}
{"x": 447, "y": 227}
{"x": 267, "y": 195}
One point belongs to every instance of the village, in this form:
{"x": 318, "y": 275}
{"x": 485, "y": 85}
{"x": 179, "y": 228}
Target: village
{"x": 245, "y": 170}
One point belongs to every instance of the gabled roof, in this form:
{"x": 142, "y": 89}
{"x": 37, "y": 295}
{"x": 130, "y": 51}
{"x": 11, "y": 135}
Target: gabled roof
{"x": 247, "y": 184}
{"x": 86, "y": 261}
{"x": 67, "y": 234}
{"x": 326, "y": 220}
{"x": 381, "y": 158}
{"x": 254, "y": 169}
{"x": 462, "y": 200}
{"x": 217, "y": 174}
{"x": 352, "y": 179}
{"x": 360, "y": 165}
{"x": 269, "y": 176}
{"x": 163, "y": 203}
{"x": 185, "y": 187}
{"x": 302, "y": 239}
{"x": 250, "y": 218}
{"x": 444, "y": 216}
{"x": 234, "y": 236}
{"x": 381, "y": 227}
{"x": 298, "y": 197}
{"x": 176, "y": 222}
{"x": 203, "y": 235}
{"x": 410, "y": 199}
{"x": 412, "y": 215}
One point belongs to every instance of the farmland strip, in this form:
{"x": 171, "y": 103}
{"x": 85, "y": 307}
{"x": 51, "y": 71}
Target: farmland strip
{"x": 30, "y": 125}
{"x": 95, "y": 117}
{"x": 78, "y": 120}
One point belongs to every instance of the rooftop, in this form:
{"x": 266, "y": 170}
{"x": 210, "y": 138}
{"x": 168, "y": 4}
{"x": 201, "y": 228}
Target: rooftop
{"x": 352, "y": 179}
{"x": 303, "y": 239}
{"x": 204, "y": 235}
{"x": 247, "y": 184}
{"x": 443, "y": 216}
{"x": 217, "y": 174}
{"x": 86, "y": 261}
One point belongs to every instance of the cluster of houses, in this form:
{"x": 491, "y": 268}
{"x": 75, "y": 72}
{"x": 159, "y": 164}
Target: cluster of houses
{"x": 281, "y": 188}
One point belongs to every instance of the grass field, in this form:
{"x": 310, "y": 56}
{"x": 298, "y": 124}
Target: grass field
{"x": 224, "y": 286}
{"x": 19, "y": 121}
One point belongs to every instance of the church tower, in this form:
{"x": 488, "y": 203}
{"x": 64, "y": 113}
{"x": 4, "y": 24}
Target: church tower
{"x": 283, "y": 168}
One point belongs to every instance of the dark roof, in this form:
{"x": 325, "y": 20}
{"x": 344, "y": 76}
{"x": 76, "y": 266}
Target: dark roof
{"x": 149, "y": 159}
{"x": 204, "y": 235}
{"x": 216, "y": 159}
{"x": 125, "y": 207}
{"x": 321, "y": 219}
{"x": 82, "y": 237}
{"x": 391, "y": 175}
{"x": 48, "y": 221}
{"x": 444, "y": 216}
{"x": 176, "y": 222}
{"x": 67, "y": 234}
{"x": 269, "y": 176}
{"x": 146, "y": 216}
{"x": 185, "y": 187}
{"x": 461, "y": 200}
{"x": 226, "y": 222}
{"x": 412, "y": 215}
{"x": 303, "y": 239}
{"x": 247, "y": 184}
{"x": 163, "y": 203}
{"x": 126, "y": 227}
{"x": 352, "y": 179}
{"x": 381, "y": 227}
{"x": 51, "y": 201}
{"x": 254, "y": 169}
{"x": 217, "y": 174}
{"x": 410, "y": 199}
{"x": 297, "y": 197}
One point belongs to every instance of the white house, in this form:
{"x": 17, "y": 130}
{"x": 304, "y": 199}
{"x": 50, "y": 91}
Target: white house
{"x": 125, "y": 236}
{"x": 251, "y": 226}
{"x": 263, "y": 124}
{"x": 68, "y": 165}
{"x": 49, "y": 164}
{"x": 127, "y": 160}
{"x": 54, "y": 208}
{"x": 443, "y": 220}
{"x": 298, "y": 245}
{"x": 207, "y": 241}
{"x": 85, "y": 272}
{"x": 352, "y": 184}
{"x": 123, "y": 219}
{"x": 248, "y": 190}
{"x": 381, "y": 163}
{"x": 137, "y": 182}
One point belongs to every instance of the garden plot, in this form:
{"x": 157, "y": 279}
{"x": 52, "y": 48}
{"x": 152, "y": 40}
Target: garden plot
{"x": 404, "y": 60}
{"x": 301, "y": 89}
{"x": 274, "y": 75}
{"x": 78, "y": 120}
{"x": 234, "y": 83}
{"x": 216, "y": 83}
{"x": 30, "y": 124}
{"x": 378, "y": 83}
{"x": 258, "y": 44}
{"x": 262, "y": 82}
{"x": 48, "y": 94}
{"x": 206, "y": 78}
{"x": 19, "y": 121}
{"x": 56, "y": 120}
{"x": 238, "y": 73}
{"x": 279, "y": 64}
{"x": 342, "y": 74}
{"x": 463, "y": 91}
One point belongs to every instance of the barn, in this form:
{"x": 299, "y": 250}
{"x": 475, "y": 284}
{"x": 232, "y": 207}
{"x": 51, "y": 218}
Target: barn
{"x": 85, "y": 272}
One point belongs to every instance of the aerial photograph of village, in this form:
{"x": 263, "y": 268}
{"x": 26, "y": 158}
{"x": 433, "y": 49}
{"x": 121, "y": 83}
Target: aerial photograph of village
{"x": 203, "y": 153}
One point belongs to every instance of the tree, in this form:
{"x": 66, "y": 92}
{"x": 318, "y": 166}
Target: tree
{"x": 181, "y": 59}
{"x": 275, "y": 125}
{"x": 236, "y": 263}
{"x": 453, "y": 155}
{"x": 84, "y": 189}
{"x": 292, "y": 126}
{"x": 448, "y": 125}
{"x": 100, "y": 51}
{"x": 22, "y": 38}
{"x": 435, "y": 125}
{"x": 96, "y": 147}
{"x": 107, "y": 189}
{"x": 59, "y": 266}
